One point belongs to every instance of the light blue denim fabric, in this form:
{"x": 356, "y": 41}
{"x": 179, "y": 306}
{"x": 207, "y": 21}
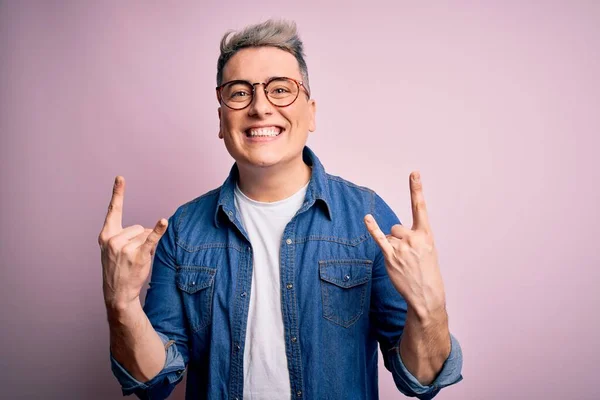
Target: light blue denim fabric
{"x": 338, "y": 302}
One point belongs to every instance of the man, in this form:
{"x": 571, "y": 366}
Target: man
{"x": 280, "y": 283}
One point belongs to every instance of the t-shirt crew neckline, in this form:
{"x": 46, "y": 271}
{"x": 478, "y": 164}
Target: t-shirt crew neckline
{"x": 300, "y": 192}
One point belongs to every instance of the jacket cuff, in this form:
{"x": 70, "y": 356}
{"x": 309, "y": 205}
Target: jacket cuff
{"x": 172, "y": 370}
{"x": 448, "y": 375}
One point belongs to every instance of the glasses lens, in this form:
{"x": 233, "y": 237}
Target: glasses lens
{"x": 237, "y": 94}
{"x": 282, "y": 91}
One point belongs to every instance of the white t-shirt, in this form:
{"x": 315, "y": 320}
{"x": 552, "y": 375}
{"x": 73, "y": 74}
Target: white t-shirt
{"x": 266, "y": 375}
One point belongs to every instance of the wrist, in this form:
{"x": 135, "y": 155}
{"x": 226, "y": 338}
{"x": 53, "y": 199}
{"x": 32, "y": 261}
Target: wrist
{"x": 427, "y": 316}
{"x": 122, "y": 310}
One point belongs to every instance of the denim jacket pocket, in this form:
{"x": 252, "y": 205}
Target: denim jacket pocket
{"x": 344, "y": 289}
{"x": 196, "y": 285}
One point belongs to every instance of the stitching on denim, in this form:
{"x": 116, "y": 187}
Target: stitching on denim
{"x": 197, "y": 267}
{"x": 327, "y": 284}
{"x": 346, "y": 261}
{"x": 200, "y": 293}
{"x": 344, "y": 284}
{"x": 206, "y": 319}
{"x": 202, "y": 277}
{"x": 192, "y": 249}
{"x": 209, "y": 193}
{"x": 237, "y": 332}
{"x": 291, "y": 251}
{"x": 346, "y": 324}
{"x": 348, "y": 183}
{"x": 348, "y": 242}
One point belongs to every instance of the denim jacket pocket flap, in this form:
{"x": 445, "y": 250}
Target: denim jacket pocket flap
{"x": 345, "y": 273}
{"x": 193, "y": 279}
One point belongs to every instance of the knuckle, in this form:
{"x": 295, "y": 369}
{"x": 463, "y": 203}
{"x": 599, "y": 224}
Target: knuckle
{"x": 128, "y": 251}
{"x": 113, "y": 244}
{"x": 138, "y": 227}
{"x": 428, "y": 240}
{"x": 403, "y": 247}
{"x": 151, "y": 239}
{"x": 103, "y": 240}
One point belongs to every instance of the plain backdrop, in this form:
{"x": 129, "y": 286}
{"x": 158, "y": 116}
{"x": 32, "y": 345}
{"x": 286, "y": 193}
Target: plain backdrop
{"x": 497, "y": 103}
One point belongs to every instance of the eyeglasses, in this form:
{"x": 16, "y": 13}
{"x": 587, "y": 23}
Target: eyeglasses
{"x": 280, "y": 91}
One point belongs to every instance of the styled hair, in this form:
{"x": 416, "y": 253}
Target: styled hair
{"x": 275, "y": 33}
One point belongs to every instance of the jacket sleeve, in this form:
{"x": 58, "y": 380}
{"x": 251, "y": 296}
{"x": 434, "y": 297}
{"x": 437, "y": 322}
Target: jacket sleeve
{"x": 164, "y": 309}
{"x": 388, "y": 312}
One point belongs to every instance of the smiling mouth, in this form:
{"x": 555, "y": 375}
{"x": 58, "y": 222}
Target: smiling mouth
{"x": 270, "y": 131}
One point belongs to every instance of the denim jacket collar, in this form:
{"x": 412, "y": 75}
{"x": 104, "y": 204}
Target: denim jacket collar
{"x": 318, "y": 188}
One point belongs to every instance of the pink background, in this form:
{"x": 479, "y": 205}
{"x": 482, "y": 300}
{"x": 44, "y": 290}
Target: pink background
{"x": 496, "y": 103}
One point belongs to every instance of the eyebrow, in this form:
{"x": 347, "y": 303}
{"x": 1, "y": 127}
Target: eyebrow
{"x": 270, "y": 78}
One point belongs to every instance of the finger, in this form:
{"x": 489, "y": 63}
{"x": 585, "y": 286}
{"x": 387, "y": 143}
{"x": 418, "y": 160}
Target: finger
{"x": 400, "y": 231}
{"x": 131, "y": 232}
{"x": 417, "y": 201}
{"x": 122, "y": 238}
{"x": 114, "y": 216}
{"x": 378, "y": 235}
{"x": 139, "y": 240}
{"x": 401, "y": 246}
{"x": 159, "y": 230}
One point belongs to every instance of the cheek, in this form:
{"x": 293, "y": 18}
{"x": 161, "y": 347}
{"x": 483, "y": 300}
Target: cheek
{"x": 297, "y": 117}
{"x": 228, "y": 120}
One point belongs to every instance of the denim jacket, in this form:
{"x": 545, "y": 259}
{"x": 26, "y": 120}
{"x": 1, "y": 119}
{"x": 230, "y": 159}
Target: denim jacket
{"x": 337, "y": 300}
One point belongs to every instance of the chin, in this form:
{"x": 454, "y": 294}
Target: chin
{"x": 264, "y": 159}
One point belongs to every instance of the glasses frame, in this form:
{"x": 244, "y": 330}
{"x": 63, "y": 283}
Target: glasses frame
{"x": 298, "y": 83}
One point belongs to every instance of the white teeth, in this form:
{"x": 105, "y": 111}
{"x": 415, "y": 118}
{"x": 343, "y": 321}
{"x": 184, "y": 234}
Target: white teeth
{"x": 270, "y": 131}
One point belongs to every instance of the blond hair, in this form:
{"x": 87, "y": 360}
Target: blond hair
{"x": 275, "y": 33}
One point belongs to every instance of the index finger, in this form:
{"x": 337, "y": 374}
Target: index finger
{"x": 417, "y": 202}
{"x": 114, "y": 216}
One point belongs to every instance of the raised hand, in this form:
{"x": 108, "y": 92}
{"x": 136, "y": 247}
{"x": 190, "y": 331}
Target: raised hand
{"x": 126, "y": 253}
{"x": 410, "y": 256}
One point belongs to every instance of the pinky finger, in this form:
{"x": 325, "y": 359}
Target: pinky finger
{"x": 378, "y": 235}
{"x": 152, "y": 240}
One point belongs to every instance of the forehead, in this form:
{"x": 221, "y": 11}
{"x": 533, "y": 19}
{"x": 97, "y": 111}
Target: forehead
{"x": 260, "y": 63}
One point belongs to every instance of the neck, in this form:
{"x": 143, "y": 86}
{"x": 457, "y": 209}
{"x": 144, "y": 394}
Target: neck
{"x": 274, "y": 183}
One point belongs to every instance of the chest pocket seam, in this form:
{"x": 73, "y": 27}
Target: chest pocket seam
{"x": 196, "y": 284}
{"x": 344, "y": 289}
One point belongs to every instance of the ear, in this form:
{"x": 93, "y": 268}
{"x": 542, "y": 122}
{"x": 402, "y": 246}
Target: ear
{"x": 312, "y": 110}
{"x": 220, "y": 129}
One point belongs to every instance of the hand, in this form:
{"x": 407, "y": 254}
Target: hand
{"x": 411, "y": 258}
{"x": 126, "y": 253}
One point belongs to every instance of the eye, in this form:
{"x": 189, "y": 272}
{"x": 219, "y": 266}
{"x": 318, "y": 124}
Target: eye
{"x": 239, "y": 93}
{"x": 280, "y": 90}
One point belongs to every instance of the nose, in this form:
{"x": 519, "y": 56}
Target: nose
{"x": 260, "y": 105}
